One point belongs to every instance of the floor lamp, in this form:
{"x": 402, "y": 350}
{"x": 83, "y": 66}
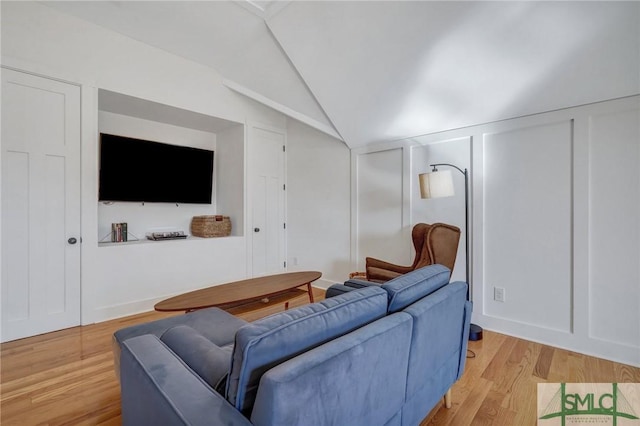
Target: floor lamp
{"x": 437, "y": 184}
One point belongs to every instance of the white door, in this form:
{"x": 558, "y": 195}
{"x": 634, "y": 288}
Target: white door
{"x": 40, "y": 149}
{"x": 266, "y": 168}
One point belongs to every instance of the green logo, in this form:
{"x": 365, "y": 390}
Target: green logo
{"x": 587, "y": 403}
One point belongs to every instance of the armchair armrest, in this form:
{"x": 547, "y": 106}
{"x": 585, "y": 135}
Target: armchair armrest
{"x": 157, "y": 387}
{"x": 349, "y": 285}
{"x": 355, "y": 283}
{"x": 371, "y": 262}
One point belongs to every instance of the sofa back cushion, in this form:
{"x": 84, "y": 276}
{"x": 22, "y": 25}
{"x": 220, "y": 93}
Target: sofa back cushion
{"x": 413, "y": 286}
{"x": 438, "y": 347}
{"x": 358, "y": 379}
{"x": 270, "y": 341}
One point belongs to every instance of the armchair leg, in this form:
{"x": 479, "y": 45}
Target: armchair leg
{"x": 447, "y": 399}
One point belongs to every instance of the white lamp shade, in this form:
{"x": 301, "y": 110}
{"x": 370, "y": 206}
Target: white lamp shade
{"x": 436, "y": 184}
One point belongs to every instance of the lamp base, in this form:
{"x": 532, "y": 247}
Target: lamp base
{"x": 475, "y": 332}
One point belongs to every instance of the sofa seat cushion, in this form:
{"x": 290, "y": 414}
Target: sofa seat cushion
{"x": 413, "y": 286}
{"x": 270, "y": 341}
{"x": 208, "y": 360}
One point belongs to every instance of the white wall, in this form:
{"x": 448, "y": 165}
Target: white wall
{"x": 556, "y": 202}
{"x": 318, "y": 199}
{"x": 230, "y": 168}
{"x": 120, "y": 280}
{"x": 378, "y": 222}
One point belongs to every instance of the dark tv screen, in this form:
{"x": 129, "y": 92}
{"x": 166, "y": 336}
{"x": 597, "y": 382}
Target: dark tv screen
{"x": 139, "y": 170}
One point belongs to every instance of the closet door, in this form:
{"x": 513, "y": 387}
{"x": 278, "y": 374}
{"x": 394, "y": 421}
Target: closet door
{"x": 40, "y": 205}
{"x": 267, "y": 178}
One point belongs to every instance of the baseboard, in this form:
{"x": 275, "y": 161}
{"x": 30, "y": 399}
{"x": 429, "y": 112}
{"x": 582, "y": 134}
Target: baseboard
{"x": 106, "y": 313}
{"x": 323, "y": 283}
{"x": 625, "y": 354}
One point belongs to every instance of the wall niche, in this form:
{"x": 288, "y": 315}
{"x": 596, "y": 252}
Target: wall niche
{"x": 133, "y": 117}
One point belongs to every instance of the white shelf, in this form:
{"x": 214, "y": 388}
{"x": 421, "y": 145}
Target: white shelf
{"x": 147, "y": 241}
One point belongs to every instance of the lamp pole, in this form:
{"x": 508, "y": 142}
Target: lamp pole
{"x": 465, "y": 173}
{"x": 475, "y": 331}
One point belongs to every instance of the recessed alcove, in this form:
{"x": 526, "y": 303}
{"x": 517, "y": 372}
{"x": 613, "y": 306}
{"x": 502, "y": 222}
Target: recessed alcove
{"x": 133, "y": 117}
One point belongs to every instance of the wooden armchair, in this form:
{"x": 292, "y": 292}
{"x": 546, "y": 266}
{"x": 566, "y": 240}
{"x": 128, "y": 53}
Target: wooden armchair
{"x": 437, "y": 243}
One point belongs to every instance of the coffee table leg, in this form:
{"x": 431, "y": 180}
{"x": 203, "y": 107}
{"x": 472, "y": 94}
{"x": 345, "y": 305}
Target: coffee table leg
{"x": 310, "y": 291}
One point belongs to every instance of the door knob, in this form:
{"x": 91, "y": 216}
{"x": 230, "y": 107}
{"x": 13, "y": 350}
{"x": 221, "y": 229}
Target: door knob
{"x": 256, "y": 229}
{"x": 72, "y": 240}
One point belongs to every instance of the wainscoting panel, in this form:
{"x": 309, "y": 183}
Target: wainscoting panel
{"x": 527, "y": 230}
{"x": 555, "y": 220}
{"x": 614, "y": 224}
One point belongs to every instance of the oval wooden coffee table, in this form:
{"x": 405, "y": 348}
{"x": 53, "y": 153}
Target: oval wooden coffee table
{"x": 280, "y": 287}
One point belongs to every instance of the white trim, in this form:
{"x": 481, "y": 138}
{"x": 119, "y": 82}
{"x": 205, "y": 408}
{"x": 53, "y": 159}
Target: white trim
{"x": 39, "y": 70}
{"x": 24, "y": 70}
{"x": 268, "y": 11}
{"x": 106, "y": 313}
{"x": 89, "y": 215}
{"x": 282, "y": 108}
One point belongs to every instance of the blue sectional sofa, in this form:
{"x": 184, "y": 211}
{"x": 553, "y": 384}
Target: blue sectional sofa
{"x": 379, "y": 355}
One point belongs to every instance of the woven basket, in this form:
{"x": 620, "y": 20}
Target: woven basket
{"x": 211, "y": 226}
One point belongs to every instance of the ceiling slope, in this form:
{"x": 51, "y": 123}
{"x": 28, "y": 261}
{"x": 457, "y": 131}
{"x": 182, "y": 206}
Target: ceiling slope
{"x": 372, "y": 71}
{"x": 388, "y": 70}
{"x": 233, "y": 40}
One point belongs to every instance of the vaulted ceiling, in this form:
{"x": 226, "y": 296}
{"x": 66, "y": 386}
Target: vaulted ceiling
{"x": 371, "y": 71}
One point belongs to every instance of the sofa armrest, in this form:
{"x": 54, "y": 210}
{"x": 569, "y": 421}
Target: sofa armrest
{"x": 158, "y": 388}
{"x": 468, "y": 308}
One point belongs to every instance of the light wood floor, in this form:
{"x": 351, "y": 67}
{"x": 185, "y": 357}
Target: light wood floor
{"x": 67, "y": 377}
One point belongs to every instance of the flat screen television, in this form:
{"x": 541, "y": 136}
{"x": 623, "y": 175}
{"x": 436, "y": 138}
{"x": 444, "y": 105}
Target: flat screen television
{"x": 144, "y": 171}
